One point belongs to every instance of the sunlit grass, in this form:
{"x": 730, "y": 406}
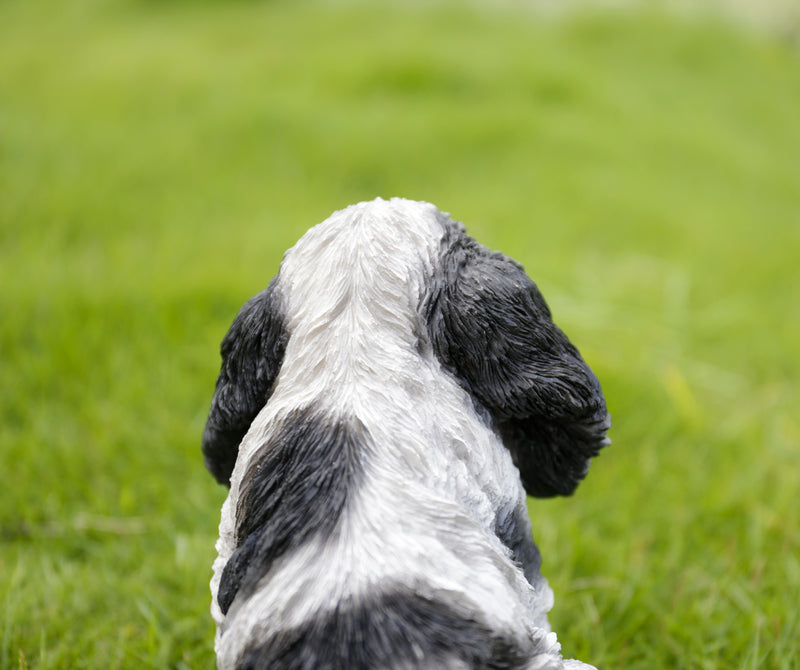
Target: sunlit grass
{"x": 157, "y": 158}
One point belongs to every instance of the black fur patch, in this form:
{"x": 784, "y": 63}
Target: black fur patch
{"x": 492, "y": 329}
{"x": 554, "y": 456}
{"x": 397, "y": 629}
{"x": 252, "y": 354}
{"x": 296, "y": 487}
{"x": 513, "y": 529}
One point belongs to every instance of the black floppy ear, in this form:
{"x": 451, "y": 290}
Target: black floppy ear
{"x": 492, "y": 329}
{"x": 252, "y": 354}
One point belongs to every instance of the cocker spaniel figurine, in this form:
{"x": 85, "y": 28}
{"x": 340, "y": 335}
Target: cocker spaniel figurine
{"x": 382, "y": 409}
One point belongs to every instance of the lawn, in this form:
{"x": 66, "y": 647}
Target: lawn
{"x": 157, "y": 158}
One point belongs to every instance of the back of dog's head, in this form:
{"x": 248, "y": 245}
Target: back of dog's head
{"x": 487, "y": 322}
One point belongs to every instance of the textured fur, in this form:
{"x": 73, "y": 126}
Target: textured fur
{"x": 381, "y": 410}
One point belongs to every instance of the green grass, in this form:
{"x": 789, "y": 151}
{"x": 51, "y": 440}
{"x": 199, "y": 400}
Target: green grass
{"x": 157, "y": 158}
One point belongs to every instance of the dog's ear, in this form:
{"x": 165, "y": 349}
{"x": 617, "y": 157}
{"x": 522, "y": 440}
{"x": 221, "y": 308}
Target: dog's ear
{"x": 252, "y": 354}
{"x": 491, "y": 328}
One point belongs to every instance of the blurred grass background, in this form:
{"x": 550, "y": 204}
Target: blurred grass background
{"x": 156, "y": 159}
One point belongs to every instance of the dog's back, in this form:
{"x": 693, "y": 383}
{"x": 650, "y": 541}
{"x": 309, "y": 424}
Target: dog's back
{"x": 376, "y": 519}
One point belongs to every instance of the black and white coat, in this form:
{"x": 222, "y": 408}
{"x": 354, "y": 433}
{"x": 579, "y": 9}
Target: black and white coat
{"x": 382, "y": 409}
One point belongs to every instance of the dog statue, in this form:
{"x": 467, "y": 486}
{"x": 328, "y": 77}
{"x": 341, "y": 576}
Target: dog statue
{"x": 382, "y": 409}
